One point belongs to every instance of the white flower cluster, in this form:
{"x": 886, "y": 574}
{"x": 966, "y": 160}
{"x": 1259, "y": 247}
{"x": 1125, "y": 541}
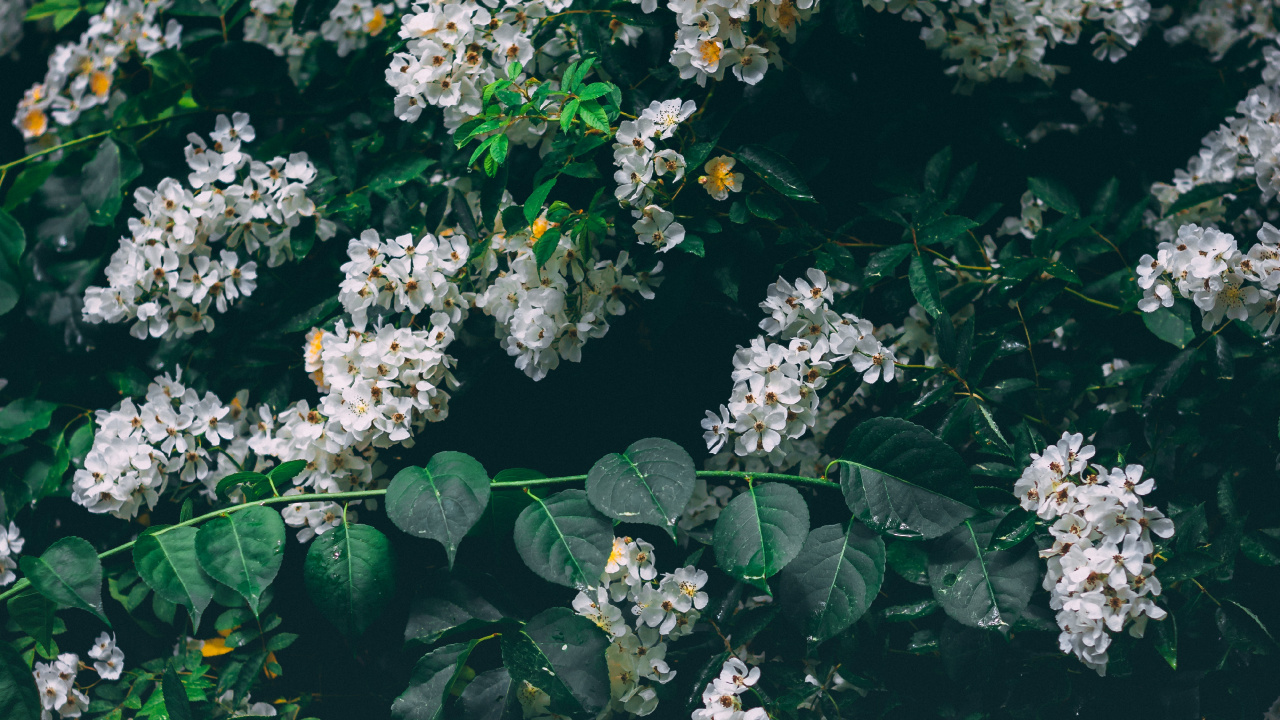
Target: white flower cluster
{"x": 545, "y": 315}
{"x": 352, "y": 22}
{"x": 1207, "y": 267}
{"x": 775, "y": 392}
{"x": 349, "y": 26}
{"x": 712, "y": 39}
{"x": 1217, "y": 25}
{"x": 457, "y": 47}
{"x": 81, "y": 74}
{"x": 1100, "y": 575}
{"x": 108, "y": 659}
{"x": 639, "y": 161}
{"x": 166, "y": 277}
{"x": 270, "y": 23}
{"x": 720, "y": 698}
{"x": 1009, "y": 38}
{"x": 56, "y": 681}
{"x": 11, "y": 543}
{"x": 174, "y": 431}
{"x": 664, "y": 608}
{"x": 1244, "y": 149}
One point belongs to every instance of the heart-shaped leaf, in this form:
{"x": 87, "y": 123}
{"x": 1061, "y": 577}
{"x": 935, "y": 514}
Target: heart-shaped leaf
{"x": 70, "y": 574}
{"x": 440, "y": 501}
{"x": 760, "y": 532}
{"x": 562, "y": 654}
{"x": 243, "y": 551}
{"x": 978, "y": 587}
{"x": 835, "y": 578}
{"x": 900, "y": 479}
{"x": 167, "y": 563}
{"x": 649, "y": 483}
{"x": 563, "y": 539}
{"x": 348, "y": 574}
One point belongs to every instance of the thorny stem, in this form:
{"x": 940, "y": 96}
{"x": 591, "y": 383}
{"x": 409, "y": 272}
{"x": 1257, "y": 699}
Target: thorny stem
{"x": 23, "y": 584}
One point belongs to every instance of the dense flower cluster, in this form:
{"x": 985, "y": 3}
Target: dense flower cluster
{"x": 1100, "y": 574}
{"x": 137, "y": 448}
{"x": 349, "y": 26}
{"x": 455, "y": 48}
{"x": 664, "y": 608}
{"x": 712, "y": 37}
{"x": 81, "y": 75}
{"x": 641, "y": 167}
{"x": 546, "y": 314}
{"x": 721, "y": 697}
{"x": 1010, "y": 38}
{"x": 11, "y": 543}
{"x": 170, "y": 274}
{"x": 56, "y": 681}
{"x": 1207, "y": 267}
{"x": 1217, "y": 25}
{"x": 1244, "y": 150}
{"x": 775, "y": 393}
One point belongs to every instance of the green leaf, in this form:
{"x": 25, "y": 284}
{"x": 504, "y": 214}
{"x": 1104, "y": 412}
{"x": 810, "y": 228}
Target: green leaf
{"x": 51, "y": 7}
{"x": 1173, "y": 327}
{"x": 176, "y": 703}
{"x": 286, "y": 471}
{"x": 924, "y": 286}
{"x": 564, "y": 539}
{"x": 1015, "y": 527}
{"x": 1187, "y": 565}
{"x": 451, "y": 608}
{"x": 24, "y": 186}
{"x": 70, "y": 574}
{"x": 9, "y": 296}
{"x": 440, "y": 501}
{"x": 944, "y": 229}
{"x": 545, "y": 247}
{"x": 243, "y": 551}
{"x": 978, "y": 587}
{"x": 909, "y": 560}
{"x": 490, "y": 696}
{"x": 760, "y": 532}
{"x": 886, "y": 261}
{"x": 256, "y": 485}
{"x": 590, "y": 112}
{"x": 1166, "y": 640}
{"x": 900, "y": 479}
{"x": 651, "y": 482}
{"x": 1262, "y": 547}
{"x": 19, "y": 698}
{"x": 36, "y": 615}
{"x": 562, "y": 654}
{"x": 567, "y": 113}
{"x": 936, "y": 172}
{"x": 398, "y": 171}
{"x": 533, "y": 206}
{"x": 349, "y": 574}
{"x": 1202, "y": 194}
{"x": 167, "y": 563}
{"x": 777, "y": 171}
{"x": 1055, "y": 195}
{"x": 432, "y": 682}
{"x": 21, "y": 419}
{"x": 764, "y": 206}
{"x": 835, "y": 578}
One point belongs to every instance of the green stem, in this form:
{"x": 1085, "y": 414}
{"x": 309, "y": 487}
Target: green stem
{"x": 70, "y": 143}
{"x": 23, "y": 584}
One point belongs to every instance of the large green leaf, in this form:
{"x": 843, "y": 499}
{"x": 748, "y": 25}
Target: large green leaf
{"x": 900, "y": 479}
{"x": 440, "y": 501}
{"x": 243, "y": 551}
{"x": 432, "y": 682}
{"x": 1055, "y": 195}
{"x": 490, "y": 696}
{"x": 835, "y": 578}
{"x": 649, "y": 483}
{"x": 36, "y": 615}
{"x": 19, "y": 698}
{"x": 167, "y": 563}
{"x": 564, "y": 539}
{"x": 777, "y": 171}
{"x": 760, "y": 532}
{"x": 349, "y": 575}
{"x": 176, "y": 703}
{"x": 979, "y": 587}
{"x": 451, "y": 607}
{"x": 562, "y": 654}
{"x": 70, "y": 574}
{"x": 23, "y": 417}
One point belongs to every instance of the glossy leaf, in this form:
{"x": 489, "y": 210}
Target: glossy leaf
{"x": 760, "y": 531}
{"x": 564, "y": 539}
{"x": 70, "y": 574}
{"x": 835, "y": 578}
{"x": 167, "y": 563}
{"x": 243, "y": 551}
{"x": 19, "y": 698}
{"x": 651, "y": 482}
{"x": 900, "y": 479}
{"x": 21, "y": 418}
{"x": 432, "y": 683}
{"x": 440, "y": 501}
{"x": 349, "y": 576}
{"x": 776, "y": 170}
{"x": 979, "y": 587}
{"x": 562, "y": 654}
{"x": 924, "y": 285}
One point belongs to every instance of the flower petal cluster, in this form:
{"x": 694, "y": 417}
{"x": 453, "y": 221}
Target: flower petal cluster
{"x": 642, "y": 167}
{"x": 775, "y": 393}
{"x": 11, "y": 543}
{"x": 714, "y": 36}
{"x": 721, "y": 697}
{"x": 1217, "y": 25}
{"x": 1206, "y": 266}
{"x": 1100, "y": 574}
{"x": 109, "y": 659}
{"x": 189, "y": 252}
{"x": 664, "y": 609}
{"x": 82, "y": 75}
{"x": 56, "y": 687}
